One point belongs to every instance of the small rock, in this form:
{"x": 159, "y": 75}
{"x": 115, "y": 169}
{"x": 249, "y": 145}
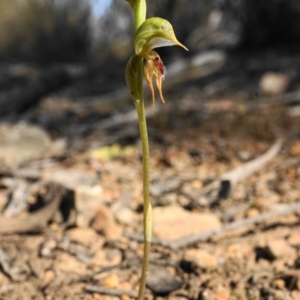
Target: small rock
{"x": 252, "y": 212}
{"x": 215, "y": 282}
{"x": 294, "y": 110}
{"x": 106, "y": 257}
{"x": 6, "y": 285}
{"x": 114, "y": 256}
{"x": 167, "y": 199}
{"x": 104, "y": 223}
{"x": 222, "y": 293}
{"x": 99, "y": 259}
{"x": 207, "y": 295}
{"x": 244, "y": 155}
{"x": 33, "y": 141}
{"x": 112, "y": 281}
{"x": 47, "y": 249}
{"x": 164, "y": 186}
{"x": 48, "y": 277}
{"x": 124, "y": 215}
{"x": 294, "y": 239}
{"x": 295, "y": 149}
{"x": 279, "y": 248}
{"x": 279, "y": 284}
{"x": 179, "y": 159}
{"x": 67, "y": 264}
{"x": 83, "y": 236}
{"x": 19, "y": 270}
{"x": 267, "y": 200}
{"x": 238, "y": 252}
{"x": 173, "y": 222}
{"x": 278, "y": 264}
{"x": 295, "y": 295}
{"x": 160, "y": 281}
{"x": 272, "y": 84}
{"x": 33, "y": 242}
{"x": 125, "y": 285}
{"x": 73, "y": 179}
{"x": 88, "y": 201}
{"x": 201, "y": 259}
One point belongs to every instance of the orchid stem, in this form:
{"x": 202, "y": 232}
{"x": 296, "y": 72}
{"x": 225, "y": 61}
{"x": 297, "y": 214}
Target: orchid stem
{"x": 140, "y": 16}
{"x": 151, "y": 33}
{"x": 140, "y": 108}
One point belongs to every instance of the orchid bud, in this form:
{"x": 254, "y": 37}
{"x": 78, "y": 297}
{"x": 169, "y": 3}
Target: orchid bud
{"x": 131, "y": 76}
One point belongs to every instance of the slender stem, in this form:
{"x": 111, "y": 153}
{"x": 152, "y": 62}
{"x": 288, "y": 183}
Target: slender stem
{"x": 140, "y": 8}
{"x": 140, "y": 16}
{"x": 139, "y": 104}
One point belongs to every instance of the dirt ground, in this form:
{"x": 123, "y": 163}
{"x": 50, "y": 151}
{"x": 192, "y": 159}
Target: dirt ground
{"x": 88, "y": 179}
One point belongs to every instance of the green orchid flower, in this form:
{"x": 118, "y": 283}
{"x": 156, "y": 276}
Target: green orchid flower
{"x": 153, "y": 33}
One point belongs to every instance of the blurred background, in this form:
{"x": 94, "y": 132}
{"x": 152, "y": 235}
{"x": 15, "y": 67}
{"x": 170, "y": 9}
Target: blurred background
{"x": 69, "y": 137}
{"x": 48, "y": 31}
{"x": 61, "y": 53}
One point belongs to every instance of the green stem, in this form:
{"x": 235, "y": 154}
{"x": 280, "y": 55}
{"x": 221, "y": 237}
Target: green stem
{"x": 140, "y": 16}
{"x": 139, "y": 12}
{"x": 140, "y": 108}
{"x": 148, "y": 37}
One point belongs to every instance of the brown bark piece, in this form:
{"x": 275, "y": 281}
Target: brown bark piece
{"x": 37, "y": 219}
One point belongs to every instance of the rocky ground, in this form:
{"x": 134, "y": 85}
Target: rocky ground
{"x": 225, "y": 181}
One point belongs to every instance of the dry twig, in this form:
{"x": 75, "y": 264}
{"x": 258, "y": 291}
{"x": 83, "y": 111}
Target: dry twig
{"x": 240, "y": 173}
{"x": 206, "y": 235}
{"x": 195, "y": 238}
{"x": 88, "y": 277}
{"x": 108, "y": 291}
